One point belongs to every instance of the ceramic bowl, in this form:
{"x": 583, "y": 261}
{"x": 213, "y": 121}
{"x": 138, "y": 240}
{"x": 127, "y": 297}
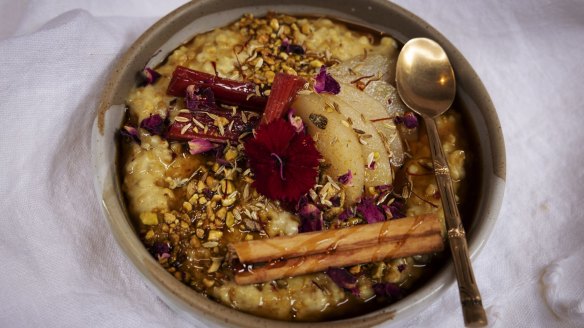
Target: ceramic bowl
{"x": 200, "y": 16}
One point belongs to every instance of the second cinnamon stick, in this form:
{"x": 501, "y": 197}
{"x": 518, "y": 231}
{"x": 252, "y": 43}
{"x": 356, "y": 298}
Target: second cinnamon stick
{"x": 320, "y": 262}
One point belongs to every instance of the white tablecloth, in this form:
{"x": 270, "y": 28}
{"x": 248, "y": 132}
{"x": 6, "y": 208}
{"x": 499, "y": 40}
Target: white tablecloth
{"x": 60, "y": 267}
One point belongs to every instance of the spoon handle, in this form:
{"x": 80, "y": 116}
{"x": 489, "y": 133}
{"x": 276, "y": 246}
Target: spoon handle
{"x": 470, "y": 297}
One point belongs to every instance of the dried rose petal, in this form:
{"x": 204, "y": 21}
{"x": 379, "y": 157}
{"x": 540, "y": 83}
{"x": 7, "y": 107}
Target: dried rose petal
{"x": 292, "y": 48}
{"x": 153, "y": 124}
{"x": 394, "y": 210}
{"x": 295, "y": 121}
{"x": 346, "y": 179}
{"x": 160, "y": 250}
{"x": 347, "y": 213}
{"x": 336, "y": 200}
{"x": 197, "y": 146}
{"x": 129, "y": 132}
{"x": 388, "y": 290}
{"x": 410, "y": 120}
{"x": 369, "y": 211}
{"x": 311, "y": 218}
{"x": 199, "y": 98}
{"x": 208, "y": 193}
{"x": 151, "y": 75}
{"x": 401, "y": 267}
{"x": 343, "y": 279}
{"x": 384, "y": 188}
{"x": 325, "y": 83}
{"x": 397, "y": 208}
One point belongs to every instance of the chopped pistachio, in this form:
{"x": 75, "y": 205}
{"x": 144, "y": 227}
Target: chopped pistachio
{"x": 149, "y": 235}
{"x": 149, "y": 218}
{"x": 208, "y": 282}
{"x": 231, "y": 154}
{"x": 221, "y": 213}
{"x": 210, "y": 244}
{"x": 187, "y": 206}
{"x": 230, "y": 219}
{"x": 215, "y": 235}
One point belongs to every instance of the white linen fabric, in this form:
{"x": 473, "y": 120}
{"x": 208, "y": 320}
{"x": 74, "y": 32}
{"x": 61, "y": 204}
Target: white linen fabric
{"x": 61, "y": 267}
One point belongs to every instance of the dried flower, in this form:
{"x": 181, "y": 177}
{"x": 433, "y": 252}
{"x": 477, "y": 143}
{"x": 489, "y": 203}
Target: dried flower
{"x": 384, "y": 188}
{"x": 369, "y": 211}
{"x": 349, "y": 212}
{"x": 295, "y": 121}
{"x": 394, "y": 210}
{"x": 401, "y": 267}
{"x": 289, "y": 48}
{"x": 311, "y": 216}
{"x": 409, "y": 120}
{"x": 151, "y": 75}
{"x": 343, "y": 279}
{"x": 346, "y": 179}
{"x": 130, "y": 133}
{"x": 199, "y": 98}
{"x": 325, "y": 83}
{"x": 160, "y": 250}
{"x": 388, "y": 290}
{"x": 285, "y": 163}
{"x": 197, "y": 146}
{"x": 153, "y": 124}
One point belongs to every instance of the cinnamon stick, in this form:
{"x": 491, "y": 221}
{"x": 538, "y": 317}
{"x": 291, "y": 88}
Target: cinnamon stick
{"x": 320, "y": 262}
{"x": 355, "y": 237}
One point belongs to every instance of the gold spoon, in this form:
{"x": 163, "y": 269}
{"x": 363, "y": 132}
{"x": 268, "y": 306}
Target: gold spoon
{"x": 426, "y": 84}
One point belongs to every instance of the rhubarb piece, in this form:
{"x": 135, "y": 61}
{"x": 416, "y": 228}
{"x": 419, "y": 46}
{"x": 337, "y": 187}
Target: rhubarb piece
{"x": 283, "y": 91}
{"x": 226, "y": 91}
{"x": 213, "y": 125}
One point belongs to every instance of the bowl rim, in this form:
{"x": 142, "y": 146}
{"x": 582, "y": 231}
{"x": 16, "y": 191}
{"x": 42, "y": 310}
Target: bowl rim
{"x": 196, "y": 307}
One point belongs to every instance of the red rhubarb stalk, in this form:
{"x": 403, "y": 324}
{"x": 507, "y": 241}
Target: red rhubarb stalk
{"x": 283, "y": 91}
{"x": 226, "y": 91}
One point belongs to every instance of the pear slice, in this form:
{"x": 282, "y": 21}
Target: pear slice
{"x": 337, "y": 143}
{"x": 372, "y": 147}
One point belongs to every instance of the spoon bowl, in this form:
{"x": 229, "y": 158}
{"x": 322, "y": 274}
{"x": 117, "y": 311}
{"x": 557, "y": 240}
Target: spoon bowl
{"x": 425, "y": 79}
{"x": 426, "y": 84}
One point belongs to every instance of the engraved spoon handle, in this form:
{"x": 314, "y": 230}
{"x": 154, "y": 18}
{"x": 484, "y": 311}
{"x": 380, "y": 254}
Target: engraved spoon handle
{"x": 470, "y": 297}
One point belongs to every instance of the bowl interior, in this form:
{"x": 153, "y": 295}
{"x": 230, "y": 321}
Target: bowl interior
{"x": 200, "y": 16}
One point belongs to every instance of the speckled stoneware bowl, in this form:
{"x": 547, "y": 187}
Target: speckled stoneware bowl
{"x": 200, "y": 16}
